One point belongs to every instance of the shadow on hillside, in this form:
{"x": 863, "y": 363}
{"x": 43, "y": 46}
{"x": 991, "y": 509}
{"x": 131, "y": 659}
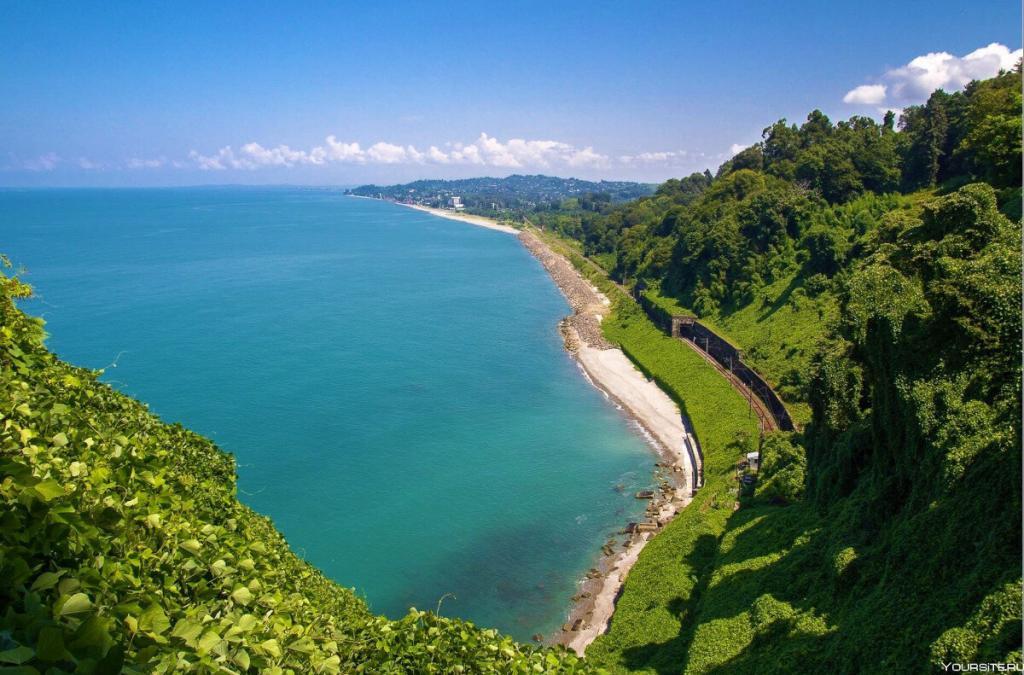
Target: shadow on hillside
{"x": 780, "y": 302}
{"x": 667, "y": 657}
{"x": 731, "y": 595}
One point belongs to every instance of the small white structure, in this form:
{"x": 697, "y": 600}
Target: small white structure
{"x": 457, "y": 204}
{"x": 754, "y": 460}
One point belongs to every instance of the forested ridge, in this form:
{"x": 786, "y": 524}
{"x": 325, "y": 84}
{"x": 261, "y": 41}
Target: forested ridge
{"x": 872, "y": 271}
{"x": 508, "y": 198}
{"x": 781, "y": 226}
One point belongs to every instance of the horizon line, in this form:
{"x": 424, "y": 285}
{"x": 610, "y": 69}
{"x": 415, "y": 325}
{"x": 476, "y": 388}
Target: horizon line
{"x": 315, "y": 185}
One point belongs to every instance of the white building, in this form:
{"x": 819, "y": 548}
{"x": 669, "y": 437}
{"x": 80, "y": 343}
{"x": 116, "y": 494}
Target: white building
{"x": 754, "y": 460}
{"x": 456, "y": 203}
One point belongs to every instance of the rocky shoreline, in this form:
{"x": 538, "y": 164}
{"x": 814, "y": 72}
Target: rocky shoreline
{"x": 607, "y": 368}
{"x": 588, "y": 304}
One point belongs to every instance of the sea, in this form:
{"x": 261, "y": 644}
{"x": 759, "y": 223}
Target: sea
{"x": 392, "y": 384}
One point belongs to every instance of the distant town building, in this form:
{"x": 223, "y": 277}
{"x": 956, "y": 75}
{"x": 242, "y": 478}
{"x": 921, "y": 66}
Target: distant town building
{"x": 456, "y": 203}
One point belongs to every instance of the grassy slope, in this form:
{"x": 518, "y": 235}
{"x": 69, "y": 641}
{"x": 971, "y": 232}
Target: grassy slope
{"x": 669, "y": 580}
{"x": 780, "y": 589}
{"x": 685, "y": 604}
{"x": 123, "y": 548}
{"x": 778, "y": 333}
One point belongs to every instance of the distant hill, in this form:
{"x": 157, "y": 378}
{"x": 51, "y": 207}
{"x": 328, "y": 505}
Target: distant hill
{"x": 514, "y": 194}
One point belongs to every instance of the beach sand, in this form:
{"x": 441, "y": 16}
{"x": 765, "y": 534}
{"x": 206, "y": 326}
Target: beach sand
{"x": 479, "y": 221}
{"x": 611, "y": 371}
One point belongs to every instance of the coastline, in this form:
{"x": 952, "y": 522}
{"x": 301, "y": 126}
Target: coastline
{"x": 610, "y": 370}
{"x": 607, "y": 368}
{"x": 479, "y": 221}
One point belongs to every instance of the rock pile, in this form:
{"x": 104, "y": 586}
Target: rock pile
{"x": 589, "y": 306}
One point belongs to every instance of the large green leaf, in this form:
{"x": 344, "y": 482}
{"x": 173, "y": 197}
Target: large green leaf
{"x": 46, "y": 580}
{"x": 154, "y": 620}
{"x": 187, "y": 630}
{"x": 49, "y": 489}
{"x": 242, "y": 595}
{"x": 50, "y": 645}
{"x": 78, "y": 603}
{"x": 18, "y": 655}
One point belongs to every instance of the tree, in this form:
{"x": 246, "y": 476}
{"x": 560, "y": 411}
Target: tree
{"x": 925, "y": 129}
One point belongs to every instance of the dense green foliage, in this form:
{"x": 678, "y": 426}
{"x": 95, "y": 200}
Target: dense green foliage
{"x": 511, "y": 197}
{"x": 761, "y": 251}
{"x": 123, "y": 548}
{"x": 873, "y": 274}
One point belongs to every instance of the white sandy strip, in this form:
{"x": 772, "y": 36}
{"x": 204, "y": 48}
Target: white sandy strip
{"x": 602, "y": 607}
{"x": 479, "y": 221}
{"x": 613, "y": 372}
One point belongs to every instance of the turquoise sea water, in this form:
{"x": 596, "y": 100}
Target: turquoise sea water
{"x": 392, "y": 384}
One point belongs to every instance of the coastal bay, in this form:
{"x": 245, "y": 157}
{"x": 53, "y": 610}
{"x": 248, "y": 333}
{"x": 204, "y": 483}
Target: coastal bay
{"x": 610, "y": 370}
{"x": 392, "y": 385}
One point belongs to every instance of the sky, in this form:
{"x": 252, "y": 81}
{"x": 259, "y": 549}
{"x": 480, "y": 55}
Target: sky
{"x": 178, "y": 93}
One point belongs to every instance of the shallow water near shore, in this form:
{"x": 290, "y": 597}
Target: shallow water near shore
{"x": 392, "y": 384}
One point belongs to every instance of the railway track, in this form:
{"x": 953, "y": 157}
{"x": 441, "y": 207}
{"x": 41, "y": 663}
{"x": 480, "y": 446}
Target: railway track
{"x": 756, "y": 406}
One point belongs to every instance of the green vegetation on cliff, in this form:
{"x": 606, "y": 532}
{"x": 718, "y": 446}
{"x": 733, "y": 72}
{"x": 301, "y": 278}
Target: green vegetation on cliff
{"x": 761, "y": 252}
{"x": 123, "y": 548}
{"x": 873, "y": 275}
{"x": 884, "y": 538}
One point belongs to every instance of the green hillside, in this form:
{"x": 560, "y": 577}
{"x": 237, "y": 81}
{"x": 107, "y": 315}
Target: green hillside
{"x": 511, "y": 197}
{"x": 123, "y": 548}
{"x": 761, "y": 251}
{"x": 873, "y": 275}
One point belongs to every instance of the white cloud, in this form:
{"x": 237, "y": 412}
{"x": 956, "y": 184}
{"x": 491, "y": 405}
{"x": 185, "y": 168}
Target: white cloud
{"x": 587, "y": 157}
{"x": 252, "y": 156}
{"x": 437, "y": 156}
{"x": 138, "y": 163}
{"x": 737, "y": 148}
{"x": 465, "y": 154}
{"x": 516, "y": 153}
{"x": 913, "y": 83}
{"x": 45, "y": 162}
{"x": 217, "y": 162}
{"x": 666, "y": 157}
{"x": 866, "y": 94}
{"x": 340, "y": 152}
{"x": 486, "y": 151}
{"x": 255, "y": 155}
{"x": 387, "y": 153}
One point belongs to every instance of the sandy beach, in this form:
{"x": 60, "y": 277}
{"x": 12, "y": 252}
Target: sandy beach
{"x": 611, "y": 371}
{"x": 479, "y": 221}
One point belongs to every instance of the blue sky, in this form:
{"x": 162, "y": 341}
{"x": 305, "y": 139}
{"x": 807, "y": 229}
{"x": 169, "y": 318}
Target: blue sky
{"x": 181, "y": 93}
